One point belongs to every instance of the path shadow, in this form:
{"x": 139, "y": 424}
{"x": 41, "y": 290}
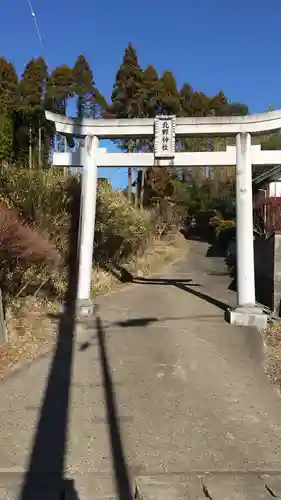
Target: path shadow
{"x": 141, "y": 323}
{"x": 183, "y": 284}
{"x": 186, "y": 286}
{"x": 119, "y": 272}
{"x": 233, "y": 285}
{"x": 136, "y": 322}
{"x": 121, "y": 473}
{"x": 45, "y": 475}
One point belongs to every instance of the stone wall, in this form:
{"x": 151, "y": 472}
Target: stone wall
{"x": 268, "y": 271}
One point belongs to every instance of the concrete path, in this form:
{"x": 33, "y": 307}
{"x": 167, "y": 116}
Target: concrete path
{"x": 163, "y": 391}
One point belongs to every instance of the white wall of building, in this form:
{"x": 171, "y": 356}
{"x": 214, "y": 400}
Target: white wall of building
{"x": 275, "y": 188}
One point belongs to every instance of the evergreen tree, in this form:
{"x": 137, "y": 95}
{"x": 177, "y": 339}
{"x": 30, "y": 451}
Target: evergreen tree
{"x": 161, "y": 97}
{"x": 186, "y": 96}
{"x": 169, "y": 97}
{"x": 8, "y": 87}
{"x": 126, "y": 99}
{"x": 218, "y": 104}
{"x": 200, "y": 104}
{"x": 150, "y": 93}
{"x": 59, "y": 91}
{"x": 8, "y": 106}
{"x": 31, "y": 118}
{"x": 83, "y": 86}
{"x": 126, "y": 94}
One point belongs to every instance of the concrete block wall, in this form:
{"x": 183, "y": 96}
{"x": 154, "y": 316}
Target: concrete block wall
{"x": 268, "y": 271}
{"x": 264, "y": 270}
{"x": 277, "y": 273}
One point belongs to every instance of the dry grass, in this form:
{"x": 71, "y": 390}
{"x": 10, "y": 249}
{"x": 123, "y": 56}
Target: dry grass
{"x": 273, "y": 343}
{"x": 22, "y": 242}
{"x": 30, "y": 329}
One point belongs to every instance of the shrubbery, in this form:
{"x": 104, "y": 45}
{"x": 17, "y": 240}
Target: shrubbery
{"x": 225, "y": 232}
{"x": 44, "y": 202}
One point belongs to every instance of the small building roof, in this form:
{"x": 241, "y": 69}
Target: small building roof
{"x": 270, "y": 174}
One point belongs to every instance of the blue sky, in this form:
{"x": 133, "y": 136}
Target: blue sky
{"x": 211, "y": 44}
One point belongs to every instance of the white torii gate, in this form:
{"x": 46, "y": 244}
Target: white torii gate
{"x": 164, "y": 129}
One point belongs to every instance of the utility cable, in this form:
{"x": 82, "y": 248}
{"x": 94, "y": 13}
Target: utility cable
{"x": 36, "y": 25}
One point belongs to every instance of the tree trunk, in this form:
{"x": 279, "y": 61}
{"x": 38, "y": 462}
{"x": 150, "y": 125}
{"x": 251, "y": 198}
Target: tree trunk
{"x": 30, "y": 147}
{"x": 137, "y": 188}
{"x": 64, "y": 147}
{"x": 142, "y": 188}
{"x": 130, "y": 184}
{"x": 130, "y": 174}
{"x": 40, "y": 147}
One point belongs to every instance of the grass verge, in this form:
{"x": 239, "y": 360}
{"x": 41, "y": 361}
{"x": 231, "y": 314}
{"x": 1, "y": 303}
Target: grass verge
{"x": 272, "y": 337}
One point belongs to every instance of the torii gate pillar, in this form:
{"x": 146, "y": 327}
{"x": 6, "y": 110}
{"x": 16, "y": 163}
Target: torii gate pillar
{"x": 84, "y": 303}
{"x": 247, "y": 313}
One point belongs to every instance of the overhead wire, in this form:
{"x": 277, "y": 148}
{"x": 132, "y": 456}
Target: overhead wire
{"x": 32, "y": 11}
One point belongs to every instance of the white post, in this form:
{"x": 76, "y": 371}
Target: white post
{"x": 244, "y": 222}
{"x": 87, "y": 222}
{"x": 246, "y": 313}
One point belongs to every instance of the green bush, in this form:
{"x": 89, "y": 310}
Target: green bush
{"x": 121, "y": 229}
{"x": 46, "y": 200}
{"x": 225, "y": 232}
{"x": 224, "y": 224}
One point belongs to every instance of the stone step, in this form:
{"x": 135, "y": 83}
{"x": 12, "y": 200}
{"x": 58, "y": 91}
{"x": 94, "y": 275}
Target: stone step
{"x": 168, "y": 487}
{"x": 88, "y": 486}
{"x": 215, "y": 486}
{"x": 16, "y": 486}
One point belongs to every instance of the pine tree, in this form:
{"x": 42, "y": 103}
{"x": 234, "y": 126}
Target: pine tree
{"x": 6, "y": 140}
{"x": 169, "y": 97}
{"x": 126, "y": 98}
{"x": 126, "y": 102}
{"x": 8, "y": 105}
{"x": 149, "y": 96}
{"x": 83, "y": 86}
{"x": 150, "y": 92}
{"x": 161, "y": 97}
{"x": 59, "y": 91}
{"x": 186, "y": 96}
{"x": 200, "y": 104}
{"x": 32, "y": 96}
{"x": 8, "y": 87}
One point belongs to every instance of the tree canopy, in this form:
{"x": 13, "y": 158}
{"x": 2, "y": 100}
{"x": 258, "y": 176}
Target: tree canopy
{"x": 26, "y": 138}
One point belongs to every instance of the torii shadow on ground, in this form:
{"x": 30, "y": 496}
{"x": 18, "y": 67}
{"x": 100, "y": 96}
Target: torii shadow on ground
{"x": 45, "y": 478}
{"x": 45, "y": 475}
{"x": 187, "y": 285}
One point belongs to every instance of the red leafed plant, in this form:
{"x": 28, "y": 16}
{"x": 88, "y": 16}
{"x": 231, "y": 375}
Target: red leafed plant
{"x": 267, "y": 216}
{"x": 19, "y": 241}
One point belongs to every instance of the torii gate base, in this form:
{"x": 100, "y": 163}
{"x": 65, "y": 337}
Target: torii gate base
{"x": 247, "y": 312}
{"x": 247, "y": 316}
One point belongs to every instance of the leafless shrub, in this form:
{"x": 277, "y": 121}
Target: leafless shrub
{"x": 18, "y": 240}
{"x": 267, "y": 217}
